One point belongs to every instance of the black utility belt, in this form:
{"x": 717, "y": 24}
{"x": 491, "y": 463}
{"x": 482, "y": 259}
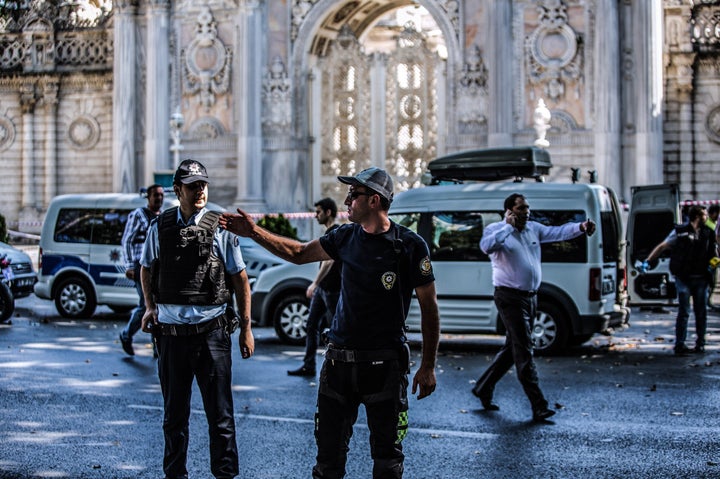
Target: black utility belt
{"x": 519, "y": 292}
{"x": 361, "y": 356}
{"x": 165, "y": 329}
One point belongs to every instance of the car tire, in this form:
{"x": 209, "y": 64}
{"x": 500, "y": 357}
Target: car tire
{"x": 550, "y": 330}
{"x": 290, "y": 319}
{"x": 7, "y": 303}
{"x": 75, "y": 298}
{"x": 120, "y": 309}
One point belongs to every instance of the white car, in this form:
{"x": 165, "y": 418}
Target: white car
{"x": 278, "y": 299}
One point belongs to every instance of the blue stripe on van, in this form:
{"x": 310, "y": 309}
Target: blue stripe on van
{"x": 54, "y": 264}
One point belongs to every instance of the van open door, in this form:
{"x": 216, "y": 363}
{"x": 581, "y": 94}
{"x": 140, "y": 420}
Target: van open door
{"x": 654, "y": 210}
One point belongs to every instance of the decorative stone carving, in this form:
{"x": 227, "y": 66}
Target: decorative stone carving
{"x": 206, "y": 62}
{"x": 277, "y": 100}
{"x": 541, "y": 123}
{"x": 706, "y": 25}
{"x": 83, "y": 132}
{"x": 40, "y": 46}
{"x": 206, "y": 128}
{"x": 553, "y": 54}
{"x": 7, "y": 133}
{"x": 192, "y": 5}
{"x": 712, "y": 123}
{"x": 299, "y": 11}
{"x": 472, "y": 97}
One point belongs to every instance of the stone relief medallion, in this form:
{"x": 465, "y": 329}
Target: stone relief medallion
{"x": 712, "y": 124}
{"x": 7, "y": 133}
{"x": 554, "y": 47}
{"x": 84, "y": 132}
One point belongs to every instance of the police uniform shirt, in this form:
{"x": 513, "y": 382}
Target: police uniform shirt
{"x": 371, "y": 311}
{"x": 225, "y": 246}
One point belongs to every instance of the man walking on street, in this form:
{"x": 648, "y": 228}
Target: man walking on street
{"x": 323, "y": 292}
{"x": 692, "y": 245}
{"x": 132, "y": 242}
{"x": 367, "y": 360}
{"x": 514, "y": 249}
{"x": 185, "y": 263}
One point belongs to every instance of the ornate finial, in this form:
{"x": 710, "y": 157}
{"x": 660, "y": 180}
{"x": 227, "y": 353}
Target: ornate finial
{"x": 541, "y": 123}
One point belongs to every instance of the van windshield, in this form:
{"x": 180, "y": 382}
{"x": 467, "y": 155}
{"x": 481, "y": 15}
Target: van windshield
{"x": 455, "y": 235}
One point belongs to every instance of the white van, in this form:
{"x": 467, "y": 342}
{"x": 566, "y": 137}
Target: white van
{"x": 80, "y": 262}
{"x": 582, "y": 290}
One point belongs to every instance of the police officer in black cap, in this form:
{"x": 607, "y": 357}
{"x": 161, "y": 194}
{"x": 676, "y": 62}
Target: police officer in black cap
{"x": 190, "y": 267}
{"x": 367, "y": 361}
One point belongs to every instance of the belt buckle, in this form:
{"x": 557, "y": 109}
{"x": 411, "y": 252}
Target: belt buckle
{"x": 173, "y": 330}
{"x": 350, "y": 355}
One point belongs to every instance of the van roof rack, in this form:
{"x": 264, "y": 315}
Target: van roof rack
{"x": 491, "y": 164}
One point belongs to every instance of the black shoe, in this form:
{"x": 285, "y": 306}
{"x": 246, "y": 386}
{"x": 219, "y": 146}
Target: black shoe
{"x": 486, "y": 402}
{"x": 302, "y": 371}
{"x": 699, "y": 350}
{"x": 541, "y": 415}
{"x": 682, "y": 350}
{"x": 127, "y": 345}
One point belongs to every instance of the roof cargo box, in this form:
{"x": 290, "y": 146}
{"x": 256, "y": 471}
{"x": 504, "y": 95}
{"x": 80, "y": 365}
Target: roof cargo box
{"x": 491, "y": 164}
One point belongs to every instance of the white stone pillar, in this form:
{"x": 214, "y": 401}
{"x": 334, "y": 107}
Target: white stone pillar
{"x": 608, "y": 154}
{"x": 27, "y": 105}
{"x": 124, "y": 98}
{"x": 157, "y": 91}
{"x": 378, "y": 120}
{"x": 247, "y": 79}
{"x": 50, "y": 100}
{"x": 500, "y": 78}
{"x": 648, "y": 47}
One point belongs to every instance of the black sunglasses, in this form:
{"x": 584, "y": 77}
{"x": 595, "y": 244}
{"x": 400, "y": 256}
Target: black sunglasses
{"x": 354, "y": 194}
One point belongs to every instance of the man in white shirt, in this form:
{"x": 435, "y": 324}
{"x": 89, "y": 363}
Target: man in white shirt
{"x": 514, "y": 249}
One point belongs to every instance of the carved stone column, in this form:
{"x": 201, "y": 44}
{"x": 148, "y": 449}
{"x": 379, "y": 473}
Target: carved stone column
{"x": 27, "y": 105}
{"x": 247, "y": 98}
{"x": 607, "y": 95}
{"x": 500, "y": 76}
{"x": 50, "y": 101}
{"x": 647, "y": 44}
{"x": 124, "y": 98}
{"x": 157, "y": 91}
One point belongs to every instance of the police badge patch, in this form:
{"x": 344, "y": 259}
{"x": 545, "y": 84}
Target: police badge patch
{"x": 425, "y": 266}
{"x": 388, "y": 280}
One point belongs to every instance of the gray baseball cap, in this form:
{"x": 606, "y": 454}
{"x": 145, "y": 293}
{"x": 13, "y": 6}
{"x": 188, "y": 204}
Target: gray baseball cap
{"x": 374, "y": 178}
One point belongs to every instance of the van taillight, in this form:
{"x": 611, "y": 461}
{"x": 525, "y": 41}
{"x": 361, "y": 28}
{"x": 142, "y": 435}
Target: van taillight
{"x": 39, "y": 259}
{"x": 595, "y": 293}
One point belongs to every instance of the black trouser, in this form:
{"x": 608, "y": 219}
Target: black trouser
{"x": 517, "y": 312}
{"x": 206, "y": 357}
{"x": 322, "y": 305}
{"x": 382, "y": 388}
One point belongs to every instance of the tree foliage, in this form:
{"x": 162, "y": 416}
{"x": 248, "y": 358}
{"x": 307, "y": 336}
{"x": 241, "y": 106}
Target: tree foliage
{"x": 278, "y": 225}
{"x": 3, "y": 229}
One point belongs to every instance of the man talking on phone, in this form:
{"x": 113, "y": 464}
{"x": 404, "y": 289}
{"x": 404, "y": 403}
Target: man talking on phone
{"x": 514, "y": 249}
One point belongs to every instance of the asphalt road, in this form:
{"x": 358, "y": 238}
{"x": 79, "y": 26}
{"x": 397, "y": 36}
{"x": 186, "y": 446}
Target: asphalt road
{"x": 72, "y": 405}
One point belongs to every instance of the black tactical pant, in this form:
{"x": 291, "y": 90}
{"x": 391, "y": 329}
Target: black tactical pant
{"x": 517, "y": 313}
{"x": 207, "y": 358}
{"x": 382, "y": 388}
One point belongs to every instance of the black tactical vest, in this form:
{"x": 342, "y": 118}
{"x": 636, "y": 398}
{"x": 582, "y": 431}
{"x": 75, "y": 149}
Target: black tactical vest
{"x": 187, "y": 271}
{"x": 692, "y": 251}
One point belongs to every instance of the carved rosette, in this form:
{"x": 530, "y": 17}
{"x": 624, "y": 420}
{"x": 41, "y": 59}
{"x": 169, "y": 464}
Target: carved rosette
{"x": 206, "y": 62}
{"x": 712, "y": 123}
{"x": 7, "y": 133}
{"x": 553, "y": 56}
{"x": 83, "y": 132}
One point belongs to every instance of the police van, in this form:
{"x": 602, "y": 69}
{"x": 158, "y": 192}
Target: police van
{"x": 80, "y": 260}
{"x": 582, "y": 290}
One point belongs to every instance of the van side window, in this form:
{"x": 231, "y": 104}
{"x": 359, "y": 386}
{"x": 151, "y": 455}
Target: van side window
{"x": 572, "y": 251}
{"x": 90, "y": 225}
{"x": 455, "y": 235}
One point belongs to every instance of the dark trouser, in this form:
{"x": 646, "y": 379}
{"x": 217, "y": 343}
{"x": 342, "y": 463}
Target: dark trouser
{"x": 322, "y": 305}
{"x": 382, "y": 388}
{"x": 206, "y": 357}
{"x": 133, "y": 324}
{"x": 517, "y": 313}
{"x": 695, "y": 288}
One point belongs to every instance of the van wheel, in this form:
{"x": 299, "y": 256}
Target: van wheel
{"x": 550, "y": 329}
{"x": 75, "y": 298}
{"x": 290, "y": 319}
